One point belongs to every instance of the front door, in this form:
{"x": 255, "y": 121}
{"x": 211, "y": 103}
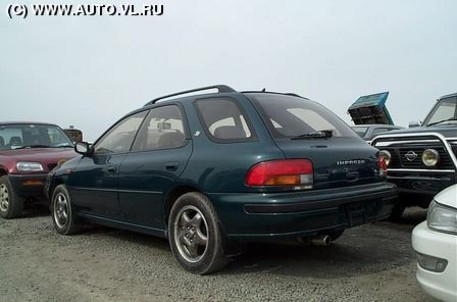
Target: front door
{"x": 94, "y": 183}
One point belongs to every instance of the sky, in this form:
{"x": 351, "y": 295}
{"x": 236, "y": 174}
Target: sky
{"x": 89, "y": 71}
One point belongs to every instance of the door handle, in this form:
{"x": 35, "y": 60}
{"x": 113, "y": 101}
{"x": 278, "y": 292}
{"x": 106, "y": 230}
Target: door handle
{"x": 173, "y": 166}
{"x": 111, "y": 169}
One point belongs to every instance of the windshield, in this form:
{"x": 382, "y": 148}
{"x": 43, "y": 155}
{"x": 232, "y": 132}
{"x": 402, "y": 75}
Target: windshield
{"x": 292, "y": 117}
{"x": 444, "y": 112}
{"x": 20, "y": 136}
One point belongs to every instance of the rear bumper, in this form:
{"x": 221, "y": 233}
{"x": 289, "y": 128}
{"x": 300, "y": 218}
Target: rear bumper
{"x": 29, "y": 186}
{"x": 301, "y": 214}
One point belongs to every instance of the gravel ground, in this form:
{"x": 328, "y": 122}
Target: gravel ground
{"x": 368, "y": 263}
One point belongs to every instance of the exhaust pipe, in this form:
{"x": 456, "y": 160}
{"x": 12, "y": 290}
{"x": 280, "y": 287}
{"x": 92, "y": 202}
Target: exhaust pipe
{"x": 324, "y": 240}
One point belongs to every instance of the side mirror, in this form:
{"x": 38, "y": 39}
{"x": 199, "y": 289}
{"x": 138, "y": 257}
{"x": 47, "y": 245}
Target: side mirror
{"x": 83, "y": 148}
{"x": 414, "y": 124}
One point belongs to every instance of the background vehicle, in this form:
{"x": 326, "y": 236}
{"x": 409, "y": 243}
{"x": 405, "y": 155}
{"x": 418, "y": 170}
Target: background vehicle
{"x": 28, "y": 151}
{"x": 422, "y": 161}
{"x": 369, "y": 131}
{"x": 74, "y": 134}
{"x": 435, "y": 243}
{"x": 212, "y": 170}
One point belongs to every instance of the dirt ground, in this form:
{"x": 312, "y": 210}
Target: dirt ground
{"x": 368, "y": 263}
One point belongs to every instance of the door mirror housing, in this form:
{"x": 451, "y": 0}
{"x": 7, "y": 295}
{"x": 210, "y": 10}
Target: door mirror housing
{"x": 83, "y": 148}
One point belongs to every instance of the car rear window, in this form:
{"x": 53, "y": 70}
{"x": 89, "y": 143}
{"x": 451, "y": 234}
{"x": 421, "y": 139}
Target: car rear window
{"x": 290, "y": 116}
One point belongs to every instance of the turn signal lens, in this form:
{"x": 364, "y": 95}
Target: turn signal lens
{"x": 287, "y": 172}
{"x": 430, "y": 157}
{"x": 382, "y": 165}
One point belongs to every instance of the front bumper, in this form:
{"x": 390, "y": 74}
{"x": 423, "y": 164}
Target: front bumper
{"x": 424, "y": 183}
{"x": 443, "y": 285}
{"x": 29, "y": 186}
{"x": 299, "y": 214}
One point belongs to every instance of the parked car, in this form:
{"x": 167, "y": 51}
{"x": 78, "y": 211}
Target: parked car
{"x": 212, "y": 170}
{"x": 422, "y": 161}
{"x": 435, "y": 243}
{"x": 28, "y": 151}
{"x": 369, "y": 131}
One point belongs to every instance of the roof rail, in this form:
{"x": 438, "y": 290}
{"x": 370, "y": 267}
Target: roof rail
{"x": 220, "y": 88}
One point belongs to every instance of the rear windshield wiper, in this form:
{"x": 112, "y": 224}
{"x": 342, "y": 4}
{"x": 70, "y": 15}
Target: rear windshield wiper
{"x": 315, "y": 134}
{"x": 442, "y": 121}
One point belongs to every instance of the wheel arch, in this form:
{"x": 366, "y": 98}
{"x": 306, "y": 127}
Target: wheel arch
{"x": 172, "y": 196}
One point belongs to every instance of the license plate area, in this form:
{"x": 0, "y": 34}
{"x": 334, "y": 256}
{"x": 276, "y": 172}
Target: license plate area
{"x": 356, "y": 213}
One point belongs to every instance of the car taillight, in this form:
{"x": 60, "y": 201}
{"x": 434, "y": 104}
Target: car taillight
{"x": 382, "y": 166}
{"x": 284, "y": 172}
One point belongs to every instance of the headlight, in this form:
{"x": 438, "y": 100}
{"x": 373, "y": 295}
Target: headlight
{"x": 25, "y": 166}
{"x": 387, "y": 156}
{"x": 441, "y": 218}
{"x": 430, "y": 157}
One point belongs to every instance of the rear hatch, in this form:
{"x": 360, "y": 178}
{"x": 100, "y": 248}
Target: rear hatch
{"x": 336, "y": 162}
{"x": 307, "y": 130}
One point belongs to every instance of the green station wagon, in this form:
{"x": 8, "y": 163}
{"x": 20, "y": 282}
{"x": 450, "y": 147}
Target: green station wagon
{"x": 210, "y": 171}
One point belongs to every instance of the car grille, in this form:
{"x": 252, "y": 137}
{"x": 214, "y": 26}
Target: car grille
{"x": 400, "y": 161}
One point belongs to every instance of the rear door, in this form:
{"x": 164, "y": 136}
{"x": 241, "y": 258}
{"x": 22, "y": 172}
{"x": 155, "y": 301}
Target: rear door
{"x": 159, "y": 155}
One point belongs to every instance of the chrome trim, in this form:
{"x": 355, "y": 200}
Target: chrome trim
{"x": 420, "y": 170}
{"x": 386, "y": 144}
{"x": 446, "y": 144}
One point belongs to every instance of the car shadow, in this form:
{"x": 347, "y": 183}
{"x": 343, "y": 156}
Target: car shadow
{"x": 362, "y": 250}
{"x": 35, "y": 210}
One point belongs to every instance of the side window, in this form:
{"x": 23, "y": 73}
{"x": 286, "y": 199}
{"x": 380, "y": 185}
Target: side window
{"x": 120, "y": 137}
{"x": 162, "y": 129}
{"x": 223, "y": 119}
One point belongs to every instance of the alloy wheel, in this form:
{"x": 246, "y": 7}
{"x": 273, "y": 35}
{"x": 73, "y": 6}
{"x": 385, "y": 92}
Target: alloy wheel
{"x": 61, "y": 210}
{"x": 191, "y": 233}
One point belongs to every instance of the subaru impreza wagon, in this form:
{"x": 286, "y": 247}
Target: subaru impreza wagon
{"x": 211, "y": 169}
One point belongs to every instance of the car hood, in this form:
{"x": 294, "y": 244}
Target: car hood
{"x": 448, "y": 197}
{"x": 45, "y": 155}
{"x": 445, "y": 130}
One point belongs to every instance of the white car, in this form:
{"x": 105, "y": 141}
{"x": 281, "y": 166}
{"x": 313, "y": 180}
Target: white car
{"x": 435, "y": 244}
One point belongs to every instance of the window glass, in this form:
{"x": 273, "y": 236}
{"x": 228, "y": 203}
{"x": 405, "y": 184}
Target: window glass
{"x": 446, "y": 110}
{"x": 290, "y": 116}
{"x": 32, "y": 136}
{"x": 223, "y": 119}
{"x": 162, "y": 129}
{"x": 120, "y": 137}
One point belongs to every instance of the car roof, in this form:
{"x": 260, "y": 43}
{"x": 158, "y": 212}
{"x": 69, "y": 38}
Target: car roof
{"x": 10, "y": 123}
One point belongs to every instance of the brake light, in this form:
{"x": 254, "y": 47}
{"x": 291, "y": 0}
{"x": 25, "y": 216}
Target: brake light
{"x": 284, "y": 172}
{"x": 382, "y": 165}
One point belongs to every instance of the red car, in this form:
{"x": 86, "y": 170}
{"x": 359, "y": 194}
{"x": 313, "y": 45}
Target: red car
{"x": 28, "y": 151}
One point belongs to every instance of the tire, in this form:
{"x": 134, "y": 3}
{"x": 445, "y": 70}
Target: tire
{"x": 397, "y": 212}
{"x": 11, "y": 204}
{"x": 63, "y": 217}
{"x": 194, "y": 235}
